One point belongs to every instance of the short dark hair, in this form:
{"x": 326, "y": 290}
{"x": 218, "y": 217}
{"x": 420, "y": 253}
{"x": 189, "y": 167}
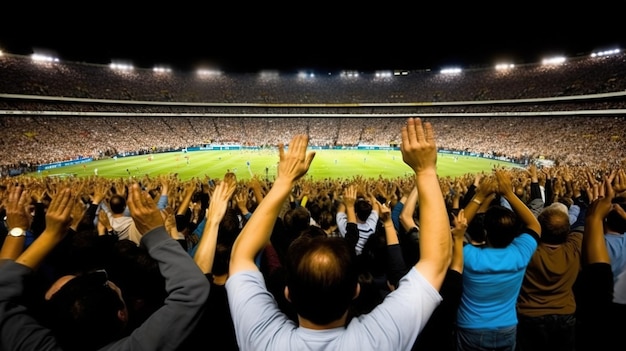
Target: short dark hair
{"x": 117, "y": 203}
{"x": 327, "y": 219}
{"x": 501, "y": 226}
{"x": 476, "y": 228}
{"x": 296, "y": 220}
{"x": 322, "y": 276}
{"x": 363, "y": 209}
{"x": 84, "y": 312}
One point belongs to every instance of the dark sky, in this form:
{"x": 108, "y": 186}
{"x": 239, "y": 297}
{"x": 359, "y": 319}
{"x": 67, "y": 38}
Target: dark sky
{"x": 299, "y": 35}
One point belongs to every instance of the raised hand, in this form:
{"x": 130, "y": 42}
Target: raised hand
{"x": 295, "y": 162}
{"x": 601, "y": 206}
{"x": 143, "y": 210}
{"x": 460, "y": 224}
{"x": 221, "y": 195}
{"x": 418, "y": 146}
{"x": 59, "y": 212}
{"x": 16, "y": 208}
{"x": 504, "y": 181}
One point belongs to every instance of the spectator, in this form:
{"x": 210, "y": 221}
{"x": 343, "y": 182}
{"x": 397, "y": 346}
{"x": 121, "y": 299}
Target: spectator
{"x": 105, "y": 325}
{"x": 367, "y": 219}
{"x": 546, "y": 304}
{"x": 323, "y": 308}
{"x": 212, "y": 256}
{"x": 598, "y": 322}
{"x": 121, "y": 221}
{"x": 493, "y": 274}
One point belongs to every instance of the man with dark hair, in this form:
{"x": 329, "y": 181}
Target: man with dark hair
{"x": 322, "y": 271}
{"x": 546, "y": 304}
{"x": 493, "y": 272}
{"x": 121, "y": 221}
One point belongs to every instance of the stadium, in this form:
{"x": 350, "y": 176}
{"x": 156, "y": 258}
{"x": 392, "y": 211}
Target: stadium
{"x": 553, "y": 132}
{"x": 563, "y": 110}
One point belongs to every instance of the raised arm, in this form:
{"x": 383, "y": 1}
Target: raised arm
{"x": 594, "y": 247}
{"x": 18, "y": 222}
{"x": 57, "y": 223}
{"x": 205, "y": 253}
{"x": 505, "y": 189}
{"x": 293, "y": 164}
{"x": 483, "y": 195}
{"x": 419, "y": 151}
{"x": 406, "y": 216}
{"x": 458, "y": 235}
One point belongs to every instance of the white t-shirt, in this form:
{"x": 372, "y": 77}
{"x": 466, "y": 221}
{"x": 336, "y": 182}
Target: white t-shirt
{"x": 392, "y": 325}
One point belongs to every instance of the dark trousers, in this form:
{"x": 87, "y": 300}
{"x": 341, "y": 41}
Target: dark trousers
{"x": 554, "y": 332}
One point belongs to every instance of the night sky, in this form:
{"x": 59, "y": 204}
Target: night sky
{"x": 291, "y": 36}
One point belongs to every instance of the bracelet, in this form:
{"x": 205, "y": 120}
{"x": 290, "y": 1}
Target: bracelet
{"x": 478, "y": 202}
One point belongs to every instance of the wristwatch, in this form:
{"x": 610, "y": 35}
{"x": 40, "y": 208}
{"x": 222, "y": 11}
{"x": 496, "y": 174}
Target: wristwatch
{"x": 17, "y": 232}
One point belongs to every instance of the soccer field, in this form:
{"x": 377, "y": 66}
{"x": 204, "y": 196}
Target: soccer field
{"x": 331, "y": 164}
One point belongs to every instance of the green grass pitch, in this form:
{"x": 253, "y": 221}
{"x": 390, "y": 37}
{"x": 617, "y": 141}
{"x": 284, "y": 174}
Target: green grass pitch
{"x": 331, "y": 164}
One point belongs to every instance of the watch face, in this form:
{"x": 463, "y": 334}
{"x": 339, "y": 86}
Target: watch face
{"x": 17, "y": 232}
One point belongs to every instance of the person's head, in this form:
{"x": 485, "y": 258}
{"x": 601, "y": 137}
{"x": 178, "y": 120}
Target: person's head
{"x": 554, "y": 221}
{"x": 86, "y": 311}
{"x": 296, "y": 220}
{"x": 363, "y": 209}
{"x": 314, "y": 209}
{"x": 229, "y": 229}
{"x": 313, "y": 230}
{"x": 322, "y": 278}
{"x": 501, "y": 226}
{"x": 230, "y": 226}
{"x": 476, "y": 229}
{"x": 117, "y": 203}
{"x": 327, "y": 220}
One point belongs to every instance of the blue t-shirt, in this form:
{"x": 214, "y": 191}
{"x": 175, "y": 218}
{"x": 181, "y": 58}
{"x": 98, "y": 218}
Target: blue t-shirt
{"x": 492, "y": 278}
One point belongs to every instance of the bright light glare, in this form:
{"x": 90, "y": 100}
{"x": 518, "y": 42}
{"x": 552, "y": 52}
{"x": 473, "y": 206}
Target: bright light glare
{"x": 504, "y": 66}
{"x": 451, "y": 71}
{"x": 349, "y": 74}
{"x": 121, "y": 66}
{"x": 605, "y": 53}
{"x": 305, "y": 75}
{"x": 553, "y": 61}
{"x": 43, "y": 58}
{"x": 161, "y": 69}
{"x": 209, "y": 73}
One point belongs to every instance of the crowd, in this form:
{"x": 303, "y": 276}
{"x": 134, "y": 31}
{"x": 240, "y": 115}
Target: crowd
{"x": 517, "y": 259}
{"x": 171, "y": 111}
{"x": 589, "y": 140}
{"x": 576, "y": 76}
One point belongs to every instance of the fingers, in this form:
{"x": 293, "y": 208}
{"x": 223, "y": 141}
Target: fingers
{"x": 15, "y": 194}
{"x": 281, "y": 151}
{"x": 429, "y": 133}
{"x": 412, "y": 132}
{"x": 62, "y": 203}
{"x": 134, "y": 198}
